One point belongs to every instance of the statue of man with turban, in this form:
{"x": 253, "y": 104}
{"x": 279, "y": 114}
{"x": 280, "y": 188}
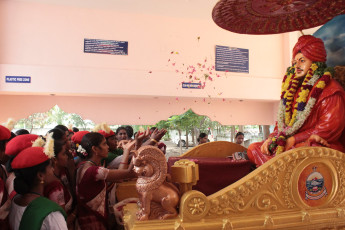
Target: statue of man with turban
{"x": 312, "y": 105}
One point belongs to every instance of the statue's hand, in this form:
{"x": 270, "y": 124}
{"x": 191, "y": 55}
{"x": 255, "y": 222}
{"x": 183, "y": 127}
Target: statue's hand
{"x": 290, "y": 142}
{"x": 317, "y": 139}
{"x": 264, "y": 147}
{"x": 144, "y": 217}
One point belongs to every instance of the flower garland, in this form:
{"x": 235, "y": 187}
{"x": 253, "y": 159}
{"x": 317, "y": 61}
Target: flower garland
{"x": 49, "y": 146}
{"x": 82, "y": 151}
{"x": 290, "y": 120}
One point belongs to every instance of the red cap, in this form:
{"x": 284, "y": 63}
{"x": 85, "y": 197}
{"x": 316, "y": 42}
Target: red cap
{"x": 5, "y": 133}
{"x": 29, "y": 157}
{"x": 311, "y": 47}
{"x": 19, "y": 143}
{"x": 76, "y": 138}
{"x": 106, "y": 135}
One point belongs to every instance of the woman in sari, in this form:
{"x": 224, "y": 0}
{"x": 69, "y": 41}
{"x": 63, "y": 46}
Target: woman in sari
{"x": 91, "y": 181}
{"x": 59, "y": 190}
{"x": 33, "y": 169}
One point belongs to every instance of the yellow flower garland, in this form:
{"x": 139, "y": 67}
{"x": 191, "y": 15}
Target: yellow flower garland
{"x": 292, "y": 119}
{"x": 302, "y": 96}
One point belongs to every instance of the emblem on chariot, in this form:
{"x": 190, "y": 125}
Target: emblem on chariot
{"x": 315, "y": 186}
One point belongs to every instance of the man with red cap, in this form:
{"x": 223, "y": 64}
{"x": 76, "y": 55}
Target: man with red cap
{"x": 312, "y": 105}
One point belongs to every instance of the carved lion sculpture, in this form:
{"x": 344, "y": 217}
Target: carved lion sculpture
{"x": 158, "y": 198}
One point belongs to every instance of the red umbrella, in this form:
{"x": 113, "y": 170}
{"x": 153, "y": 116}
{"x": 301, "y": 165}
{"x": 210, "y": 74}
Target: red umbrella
{"x": 274, "y": 16}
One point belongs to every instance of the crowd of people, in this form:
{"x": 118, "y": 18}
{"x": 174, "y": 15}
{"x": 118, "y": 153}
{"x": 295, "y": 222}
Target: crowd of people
{"x": 66, "y": 179}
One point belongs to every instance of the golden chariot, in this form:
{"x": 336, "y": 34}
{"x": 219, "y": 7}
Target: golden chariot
{"x": 303, "y": 188}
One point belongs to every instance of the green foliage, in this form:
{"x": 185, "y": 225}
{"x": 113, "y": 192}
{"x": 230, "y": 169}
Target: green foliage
{"x": 52, "y": 118}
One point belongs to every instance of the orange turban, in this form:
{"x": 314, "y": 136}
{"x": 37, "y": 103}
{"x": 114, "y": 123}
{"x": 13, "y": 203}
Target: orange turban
{"x": 311, "y": 47}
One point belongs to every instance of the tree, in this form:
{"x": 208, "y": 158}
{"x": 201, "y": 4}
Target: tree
{"x": 52, "y": 118}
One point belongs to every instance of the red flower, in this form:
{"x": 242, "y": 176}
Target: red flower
{"x": 281, "y": 142}
{"x": 308, "y": 87}
{"x": 316, "y": 93}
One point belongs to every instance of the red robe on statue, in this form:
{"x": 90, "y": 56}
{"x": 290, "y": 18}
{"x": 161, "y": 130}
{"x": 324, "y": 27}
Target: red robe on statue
{"x": 327, "y": 119}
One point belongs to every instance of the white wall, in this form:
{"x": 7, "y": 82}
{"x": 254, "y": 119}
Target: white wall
{"x": 45, "y": 41}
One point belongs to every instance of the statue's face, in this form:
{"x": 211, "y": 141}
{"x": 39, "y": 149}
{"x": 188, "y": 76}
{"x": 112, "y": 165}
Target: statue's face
{"x": 302, "y": 65}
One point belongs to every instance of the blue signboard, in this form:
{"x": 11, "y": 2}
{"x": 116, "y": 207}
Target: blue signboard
{"x": 18, "y": 79}
{"x": 188, "y": 85}
{"x": 105, "y": 46}
{"x": 232, "y": 59}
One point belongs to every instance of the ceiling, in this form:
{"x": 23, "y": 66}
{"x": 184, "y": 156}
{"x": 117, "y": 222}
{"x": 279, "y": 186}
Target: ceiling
{"x": 174, "y": 8}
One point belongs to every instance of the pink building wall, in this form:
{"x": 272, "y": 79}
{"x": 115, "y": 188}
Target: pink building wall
{"x": 45, "y": 41}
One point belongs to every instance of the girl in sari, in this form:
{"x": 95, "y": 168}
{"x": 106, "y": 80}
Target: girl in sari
{"x": 59, "y": 190}
{"x": 91, "y": 181}
{"x": 33, "y": 169}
